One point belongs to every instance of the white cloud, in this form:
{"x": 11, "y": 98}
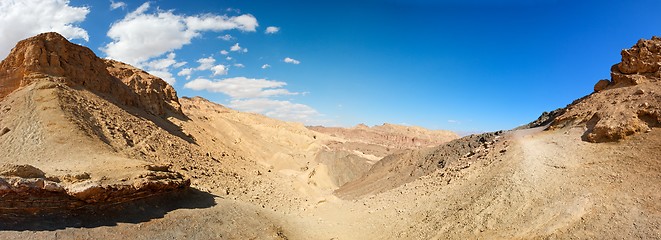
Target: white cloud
{"x": 245, "y": 50}
{"x": 210, "y": 22}
{"x": 226, "y": 37}
{"x": 115, "y": 5}
{"x": 140, "y": 35}
{"x": 224, "y": 52}
{"x": 161, "y": 67}
{"x": 235, "y": 48}
{"x": 25, "y": 18}
{"x": 179, "y": 64}
{"x": 228, "y": 58}
{"x": 246, "y": 22}
{"x": 272, "y": 30}
{"x": 255, "y": 95}
{"x": 206, "y": 63}
{"x": 265, "y": 66}
{"x": 241, "y": 87}
{"x": 219, "y": 70}
{"x": 239, "y": 65}
{"x": 162, "y": 63}
{"x": 165, "y": 75}
{"x": 185, "y": 72}
{"x": 280, "y": 109}
{"x": 292, "y": 61}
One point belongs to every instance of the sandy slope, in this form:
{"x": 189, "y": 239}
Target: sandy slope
{"x": 546, "y": 184}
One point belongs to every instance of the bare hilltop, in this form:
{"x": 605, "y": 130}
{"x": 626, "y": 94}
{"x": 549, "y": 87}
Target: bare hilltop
{"x": 97, "y": 149}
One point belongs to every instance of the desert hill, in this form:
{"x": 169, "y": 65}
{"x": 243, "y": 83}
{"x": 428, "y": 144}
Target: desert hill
{"x": 79, "y": 132}
{"x": 59, "y": 106}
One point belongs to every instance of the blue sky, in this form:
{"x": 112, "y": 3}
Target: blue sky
{"x": 475, "y": 65}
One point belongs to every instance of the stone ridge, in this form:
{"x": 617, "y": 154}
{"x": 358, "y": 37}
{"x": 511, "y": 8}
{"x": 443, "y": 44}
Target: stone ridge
{"x": 50, "y": 56}
{"x": 156, "y": 95}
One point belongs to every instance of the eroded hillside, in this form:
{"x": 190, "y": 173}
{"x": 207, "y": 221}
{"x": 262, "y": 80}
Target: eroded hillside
{"x": 112, "y": 148}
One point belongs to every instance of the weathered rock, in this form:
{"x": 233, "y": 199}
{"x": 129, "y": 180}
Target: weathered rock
{"x": 81, "y": 102}
{"x": 601, "y": 85}
{"x": 640, "y": 63}
{"x": 644, "y": 57}
{"x": 50, "y": 56}
{"x": 23, "y": 171}
{"x": 4, "y": 131}
{"x": 629, "y": 106}
{"x": 544, "y": 119}
{"x": 155, "y": 95}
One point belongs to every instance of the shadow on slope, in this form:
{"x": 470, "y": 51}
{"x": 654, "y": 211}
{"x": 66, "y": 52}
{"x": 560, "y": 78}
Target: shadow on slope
{"x": 138, "y": 211}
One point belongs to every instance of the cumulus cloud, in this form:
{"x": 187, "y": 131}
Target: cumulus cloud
{"x": 257, "y": 96}
{"x": 179, "y": 64}
{"x": 224, "y": 52}
{"x": 206, "y": 63}
{"x": 219, "y": 70}
{"x": 226, "y": 37}
{"x": 239, "y": 65}
{"x": 185, "y": 72}
{"x": 25, "y": 18}
{"x": 265, "y": 66}
{"x": 142, "y": 35}
{"x": 235, "y": 48}
{"x": 241, "y": 87}
{"x": 280, "y": 109}
{"x": 162, "y": 63}
{"x": 161, "y": 67}
{"x": 292, "y": 61}
{"x": 115, "y": 5}
{"x": 165, "y": 75}
{"x": 272, "y": 30}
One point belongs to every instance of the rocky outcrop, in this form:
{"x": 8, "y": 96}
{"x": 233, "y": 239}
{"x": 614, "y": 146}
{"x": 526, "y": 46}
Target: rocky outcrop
{"x": 629, "y": 103}
{"x": 154, "y": 94}
{"x": 640, "y": 64}
{"x": 89, "y": 124}
{"x": 545, "y": 119}
{"x": 50, "y": 56}
{"x": 24, "y": 188}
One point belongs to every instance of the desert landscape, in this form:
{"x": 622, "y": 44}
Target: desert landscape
{"x": 96, "y": 148}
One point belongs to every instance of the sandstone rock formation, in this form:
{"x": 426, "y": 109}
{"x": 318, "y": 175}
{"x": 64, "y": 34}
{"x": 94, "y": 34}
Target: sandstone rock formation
{"x": 629, "y": 103}
{"x": 74, "y": 128}
{"x": 51, "y": 56}
{"x": 154, "y": 94}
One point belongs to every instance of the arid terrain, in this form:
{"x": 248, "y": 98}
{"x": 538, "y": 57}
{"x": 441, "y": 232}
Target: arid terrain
{"x": 98, "y": 149}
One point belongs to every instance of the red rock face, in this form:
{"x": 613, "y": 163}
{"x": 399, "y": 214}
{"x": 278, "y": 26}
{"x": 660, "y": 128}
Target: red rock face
{"x": 51, "y": 56}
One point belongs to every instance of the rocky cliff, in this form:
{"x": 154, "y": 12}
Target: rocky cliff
{"x": 50, "y": 55}
{"x": 628, "y": 103}
{"x": 78, "y": 130}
